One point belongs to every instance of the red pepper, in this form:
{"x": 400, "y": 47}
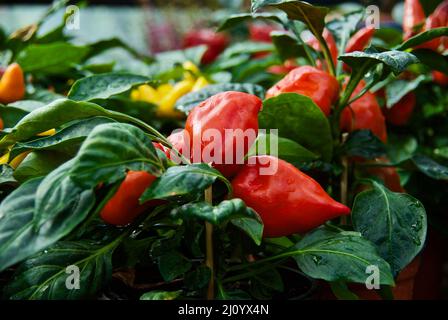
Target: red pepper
{"x": 440, "y": 78}
{"x": 438, "y": 19}
{"x": 311, "y": 82}
{"x": 124, "y": 206}
{"x": 413, "y": 18}
{"x": 261, "y": 32}
{"x": 331, "y": 43}
{"x": 364, "y": 113}
{"x": 216, "y": 43}
{"x": 283, "y": 69}
{"x": 227, "y": 110}
{"x": 288, "y": 201}
{"x": 400, "y": 113}
{"x": 360, "y": 40}
{"x": 388, "y": 175}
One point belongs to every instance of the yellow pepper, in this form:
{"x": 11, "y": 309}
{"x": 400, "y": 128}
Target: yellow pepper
{"x": 148, "y": 94}
{"x": 166, "y": 106}
{"x": 47, "y": 133}
{"x": 164, "y": 89}
{"x": 191, "y": 70}
{"x": 18, "y": 160}
{"x": 200, "y": 83}
{"x": 4, "y": 158}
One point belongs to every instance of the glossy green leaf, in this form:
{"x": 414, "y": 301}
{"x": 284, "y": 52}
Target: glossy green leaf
{"x": 432, "y": 59}
{"x": 183, "y": 182}
{"x": 252, "y": 227}
{"x": 363, "y": 143}
{"x": 298, "y": 118}
{"x": 236, "y": 19}
{"x": 287, "y": 45}
{"x": 192, "y": 99}
{"x": 111, "y": 149}
{"x": 11, "y": 115}
{"x": 172, "y": 265}
{"x": 397, "y": 89}
{"x": 344, "y": 256}
{"x": 46, "y": 275}
{"x": 103, "y": 86}
{"x": 38, "y": 164}
{"x": 423, "y": 37}
{"x": 7, "y": 175}
{"x": 312, "y": 16}
{"x": 394, "y": 222}
{"x": 51, "y": 58}
{"x": 430, "y": 167}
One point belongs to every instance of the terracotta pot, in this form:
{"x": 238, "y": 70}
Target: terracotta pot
{"x": 403, "y": 290}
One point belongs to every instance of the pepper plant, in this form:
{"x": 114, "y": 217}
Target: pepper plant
{"x": 95, "y": 184}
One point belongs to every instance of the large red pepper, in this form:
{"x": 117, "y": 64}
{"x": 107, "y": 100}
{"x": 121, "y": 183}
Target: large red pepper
{"x": 400, "y": 113}
{"x": 124, "y": 206}
{"x": 364, "y": 113}
{"x": 360, "y": 39}
{"x": 288, "y": 201}
{"x": 229, "y": 111}
{"x": 331, "y": 43}
{"x": 216, "y": 43}
{"x": 320, "y": 86}
{"x": 413, "y": 18}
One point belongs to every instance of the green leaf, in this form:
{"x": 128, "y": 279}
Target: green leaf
{"x": 27, "y": 105}
{"x": 244, "y": 47}
{"x": 395, "y": 61}
{"x": 51, "y": 58}
{"x": 430, "y": 167}
{"x": 287, "y": 149}
{"x": 363, "y": 143}
{"x": 252, "y": 227}
{"x": 401, "y": 148}
{"x": 312, "y": 16}
{"x": 344, "y": 256}
{"x": 287, "y": 45}
{"x": 432, "y": 59}
{"x": 197, "y": 279}
{"x": 59, "y": 197}
{"x": 216, "y": 215}
{"x": 168, "y": 60}
{"x": 111, "y": 149}
{"x": 38, "y": 164}
{"x": 172, "y": 265}
{"x": 45, "y": 276}
{"x": 51, "y": 116}
{"x": 342, "y": 292}
{"x": 7, "y": 175}
{"x": 394, "y": 222}
{"x": 161, "y": 295}
{"x": 106, "y": 44}
{"x": 397, "y": 89}
{"x": 423, "y": 37}
{"x": 192, "y": 99}
{"x": 236, "y": 19}
{"x": 103, "y": 86}
{"x": 11, "y": 115}
{"x": 183, "y": 182}
{"x": 298, "y": 118}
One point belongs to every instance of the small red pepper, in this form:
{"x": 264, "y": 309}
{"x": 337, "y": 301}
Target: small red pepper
{"x": 283, "y": 69}
{"x": 331, "y": 43}
{"x": 320, "y": 86}
{"x": 388, "y": 175}
{"x": 288, "y": 201}
{"x": 413, "y": 18}
{"x": 124, "y": 205}
{"x": 223, "y": 112}
{"x": 440, "y": 78}
{"x": 438, "y": 19}
{"x": 400, "y": 113}
{"x": 364, "y": 113}
{"x": 261, "y": 32}
{"x": 360, "y": 40}
{"x": 216, "y": 43}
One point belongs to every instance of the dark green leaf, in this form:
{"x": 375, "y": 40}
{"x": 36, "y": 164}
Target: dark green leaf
{"x": 38, "y": 164}
{"x": 111, "y": 149}
{"x": 103, "y": 86}
{"x": 192, "y": 99}
{"x": 51, "y": 58}
{"x": 342, "y": 292}
{"x": 252, "y": 227}
{"x": 298, "y": 118}
{"x": 401, "y": 148}
{"x": 394, "y": 222}
{"x": 66, "y": 140}
{"x": 432, "y": 59}
{"x": 397, "y": 89}
{"x": 183, "y": 182}
{"x": 173, "y": 264}
{"x": 236, "y": 19}
{"x": 430, "y": 168}
{"x": 312, "y": 16}
{"x": 343, "y": 256}
{"x": 197, "y": 279}
{"x": 287, "y": 45}
{"x": 7, "y": 175}
{"x": 423, "y": 37}
{"x": 363, "y": 143}
{"x": 46, "y": 276}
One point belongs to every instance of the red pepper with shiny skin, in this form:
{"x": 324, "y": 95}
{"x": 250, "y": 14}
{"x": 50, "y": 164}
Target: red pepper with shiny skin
{"x": 287, "y": 201}
{"x": 124, "y": 205}
{"x": 320, "y": 86}
{"x": 413, "y": 18}
{"x": 227, "y": 110}
{"x": 364, "y": 113}
{"x": 360, "y": 40}
{"x": 216, "y": 43}
{"x": 400, "y": 113}
{"x": 438, "y": 19}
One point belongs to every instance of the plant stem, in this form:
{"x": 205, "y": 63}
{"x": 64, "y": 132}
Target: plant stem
{"x": 344, "y": 179}
{"x": 209, "y": 248}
